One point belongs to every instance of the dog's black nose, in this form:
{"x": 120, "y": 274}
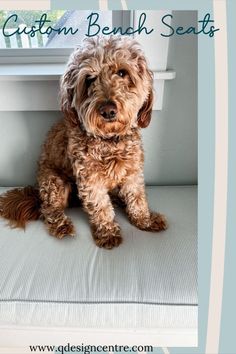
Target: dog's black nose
{"x": 108, "y": 110}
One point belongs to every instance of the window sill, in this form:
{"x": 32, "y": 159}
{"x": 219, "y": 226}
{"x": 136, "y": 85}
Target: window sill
{"x": 34, "y": 87}
{"x": 51, "y": 72}
{"x": 31, "y": 72}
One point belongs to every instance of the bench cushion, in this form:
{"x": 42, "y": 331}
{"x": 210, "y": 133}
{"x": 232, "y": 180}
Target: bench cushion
{"x": 150, "y": 280}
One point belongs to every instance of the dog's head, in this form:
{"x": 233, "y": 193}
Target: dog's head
{"x": 107, "y": 87}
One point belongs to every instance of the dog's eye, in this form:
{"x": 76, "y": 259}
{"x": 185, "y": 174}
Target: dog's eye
{"x": 122, "y": 73}
{"x": 89, "y": 80}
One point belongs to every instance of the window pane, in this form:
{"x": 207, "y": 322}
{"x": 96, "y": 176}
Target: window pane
{"x": 47, "y": 29}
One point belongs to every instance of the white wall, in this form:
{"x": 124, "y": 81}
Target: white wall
{"x": 171, "y": 139}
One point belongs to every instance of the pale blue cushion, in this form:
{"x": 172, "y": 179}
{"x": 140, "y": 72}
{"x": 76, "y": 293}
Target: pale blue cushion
{"x": 152, "y": 276}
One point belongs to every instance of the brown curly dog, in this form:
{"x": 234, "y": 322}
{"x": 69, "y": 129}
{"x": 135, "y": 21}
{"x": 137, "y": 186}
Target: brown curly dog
{"x": 106, "y": 97}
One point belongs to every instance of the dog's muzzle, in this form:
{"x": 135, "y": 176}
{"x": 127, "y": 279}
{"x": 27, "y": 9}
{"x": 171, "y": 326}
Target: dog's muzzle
{"x": 108, "y": 110}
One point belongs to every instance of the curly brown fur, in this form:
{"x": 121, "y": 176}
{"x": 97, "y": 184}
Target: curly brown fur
{"x": 106, "y": 97}
{"x": 20, "y": 205}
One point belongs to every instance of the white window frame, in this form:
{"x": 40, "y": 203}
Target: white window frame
{"x": 54, "y": 55}
{"x": 33, "y": 79}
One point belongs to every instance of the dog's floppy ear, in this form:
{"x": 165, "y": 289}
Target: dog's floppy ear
{"x": 66, "y": 98}
{"x": 145, "y": 113}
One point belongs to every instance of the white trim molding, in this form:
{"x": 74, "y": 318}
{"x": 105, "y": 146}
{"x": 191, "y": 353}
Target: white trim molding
{"x": 221, "y": 180}
{"x": 25, "y": 5}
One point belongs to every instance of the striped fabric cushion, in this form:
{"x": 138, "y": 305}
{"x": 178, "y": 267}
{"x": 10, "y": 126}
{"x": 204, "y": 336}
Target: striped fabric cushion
{"x": 149, "y": 281}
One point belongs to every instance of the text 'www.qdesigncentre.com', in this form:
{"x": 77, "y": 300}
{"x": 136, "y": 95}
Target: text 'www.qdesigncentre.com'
{"x": 90, "y": 349}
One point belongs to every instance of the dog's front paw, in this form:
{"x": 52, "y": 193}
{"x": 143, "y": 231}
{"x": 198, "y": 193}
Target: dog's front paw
{"x": 158, "y": 222}
{"x": 61, "y": 229}
{"x": 154, "y": 222}
{"x": 107, "y": 236}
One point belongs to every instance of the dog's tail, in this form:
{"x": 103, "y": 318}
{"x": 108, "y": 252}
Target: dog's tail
{"x": 20, "y": 205}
